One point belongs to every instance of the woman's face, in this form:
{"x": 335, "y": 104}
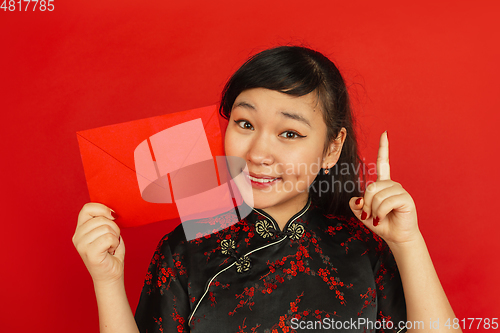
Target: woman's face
{"x": 281, "y": 138}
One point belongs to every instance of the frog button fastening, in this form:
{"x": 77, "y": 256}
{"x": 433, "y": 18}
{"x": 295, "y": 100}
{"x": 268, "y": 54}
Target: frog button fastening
{"x": 243, "y": 264}
{"x": 295, "y": 231}
{"x": 227, "y": 246}
{"x": 264, "y": 228}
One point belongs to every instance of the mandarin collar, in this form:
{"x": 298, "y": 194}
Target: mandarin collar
{"x": 259, "y": 214}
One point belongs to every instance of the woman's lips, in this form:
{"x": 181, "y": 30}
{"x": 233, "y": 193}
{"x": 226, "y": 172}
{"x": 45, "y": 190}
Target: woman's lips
{"x": 262, "y": 181}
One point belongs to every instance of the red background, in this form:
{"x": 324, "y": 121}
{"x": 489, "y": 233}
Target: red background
{"x": 425, "y": 71}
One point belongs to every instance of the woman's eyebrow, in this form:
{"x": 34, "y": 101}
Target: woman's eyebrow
{"x": 296, "y": 116}
{"x": 244, "y": 105}
{"x": 286, "y": 114}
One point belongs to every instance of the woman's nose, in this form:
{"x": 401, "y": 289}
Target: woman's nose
{"x": 260, "y": 151}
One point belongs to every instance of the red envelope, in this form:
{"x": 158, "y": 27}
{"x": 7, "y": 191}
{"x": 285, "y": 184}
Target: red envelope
{"x": 129, "y": 166}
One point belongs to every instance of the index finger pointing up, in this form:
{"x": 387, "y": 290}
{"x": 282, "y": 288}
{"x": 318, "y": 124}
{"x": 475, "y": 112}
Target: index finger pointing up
{"x": 383, "y": 167}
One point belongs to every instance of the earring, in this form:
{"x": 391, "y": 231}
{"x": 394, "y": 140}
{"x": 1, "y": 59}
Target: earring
{"x": 327, "y": 170}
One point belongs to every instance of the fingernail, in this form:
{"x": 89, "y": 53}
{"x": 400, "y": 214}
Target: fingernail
{"x": 375, "y": 221}
{"x": 363, "y": 215}
{"x": 358, "y": 201}
{"x": 387, "y": 134}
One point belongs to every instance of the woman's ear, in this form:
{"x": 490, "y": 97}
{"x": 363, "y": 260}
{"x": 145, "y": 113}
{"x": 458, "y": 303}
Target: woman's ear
{"x": 334, "y": 149}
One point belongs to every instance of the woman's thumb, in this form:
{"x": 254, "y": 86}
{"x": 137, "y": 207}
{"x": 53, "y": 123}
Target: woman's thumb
{"x": 120, "y": 249}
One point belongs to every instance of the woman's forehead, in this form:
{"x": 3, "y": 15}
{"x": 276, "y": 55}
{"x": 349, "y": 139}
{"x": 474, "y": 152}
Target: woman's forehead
{"x": 265, "y": 102}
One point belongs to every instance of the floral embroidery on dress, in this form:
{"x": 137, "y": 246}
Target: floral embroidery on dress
{"x": 243, "y": 264}
{"x": 297, "y": 266}
{"x": 263, "y": 228}
{"x": 227, "y": 245}
{"x": 296, "y": 231}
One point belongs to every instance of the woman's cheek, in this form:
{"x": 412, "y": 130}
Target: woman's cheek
{"x": 229, "y": 146}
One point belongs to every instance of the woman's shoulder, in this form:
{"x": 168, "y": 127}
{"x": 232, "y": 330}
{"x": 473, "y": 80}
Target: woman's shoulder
{"x": 348, "y": 230}
{"x": 198, "y": 233}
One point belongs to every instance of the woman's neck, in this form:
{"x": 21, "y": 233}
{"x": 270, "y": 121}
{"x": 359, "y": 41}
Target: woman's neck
{"x": 283, "y": 212}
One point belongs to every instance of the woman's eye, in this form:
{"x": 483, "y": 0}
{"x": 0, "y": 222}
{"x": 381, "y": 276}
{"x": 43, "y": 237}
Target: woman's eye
{"x": 291, "y": 135}
{"x": 244, "y": 124}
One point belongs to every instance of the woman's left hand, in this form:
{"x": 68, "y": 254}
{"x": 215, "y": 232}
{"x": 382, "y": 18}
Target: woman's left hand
{"x": 386, "y": 208}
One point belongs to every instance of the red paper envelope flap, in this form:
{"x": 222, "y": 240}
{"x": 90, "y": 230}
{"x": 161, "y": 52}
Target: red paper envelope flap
{"x": 164, "y": 154}
{"x": 108, "y": 160}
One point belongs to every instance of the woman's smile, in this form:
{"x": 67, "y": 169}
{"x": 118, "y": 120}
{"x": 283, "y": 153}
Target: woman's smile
{"x": 259, "y": 181}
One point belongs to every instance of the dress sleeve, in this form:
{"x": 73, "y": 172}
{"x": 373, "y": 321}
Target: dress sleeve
{"x": 164, "y": 303}
{"x": 391, "y": 307}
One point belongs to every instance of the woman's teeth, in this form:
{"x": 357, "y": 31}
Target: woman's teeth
{"x": 261, "y": 180}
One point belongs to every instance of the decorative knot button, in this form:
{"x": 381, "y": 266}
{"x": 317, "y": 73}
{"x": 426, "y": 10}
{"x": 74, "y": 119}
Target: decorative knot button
{"x": 264, "y": 228}
{"x": 243, "y": 264}
{"x": 295, "y": 231}
{"x": 227, "y": 246}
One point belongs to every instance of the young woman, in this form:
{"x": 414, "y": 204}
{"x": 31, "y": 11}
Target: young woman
{"x": 314, "y": 253}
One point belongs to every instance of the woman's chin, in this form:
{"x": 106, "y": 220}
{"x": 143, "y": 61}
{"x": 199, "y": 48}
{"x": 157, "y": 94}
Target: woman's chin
{"x": 261, "y": 201}
{"x": 261, "y": 204}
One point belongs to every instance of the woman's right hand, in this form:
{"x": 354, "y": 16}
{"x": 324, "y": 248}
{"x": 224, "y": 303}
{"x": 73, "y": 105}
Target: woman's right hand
{"x": 97, "y": 239}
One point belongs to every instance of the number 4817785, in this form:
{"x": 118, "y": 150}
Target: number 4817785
{"x": 482, "y": 323}
{"x": 24, "y": 5}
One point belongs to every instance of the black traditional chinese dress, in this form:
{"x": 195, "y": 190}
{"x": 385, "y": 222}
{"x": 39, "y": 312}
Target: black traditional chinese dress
{"x": 252, "y": 277}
